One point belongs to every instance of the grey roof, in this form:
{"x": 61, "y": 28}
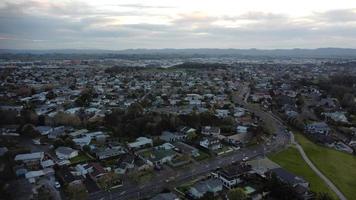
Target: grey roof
{"x": 205, "y": 186}
{"x": 65, "y": 150}
{"x": 288, "y": 177}
{"x": 165, "y": 196}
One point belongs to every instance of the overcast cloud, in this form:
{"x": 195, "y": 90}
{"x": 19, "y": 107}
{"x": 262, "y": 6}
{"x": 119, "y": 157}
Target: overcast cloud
{"x": 45, "y": 24}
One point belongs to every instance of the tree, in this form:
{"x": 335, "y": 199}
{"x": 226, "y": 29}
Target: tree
{"x": 85, "y": 98}
{"x": 237, "y": 194}
{"x": 29, "y": 130}
{"x": 323, "y": 196}
{"x": 208, "y": 196}
{"x": 191, "y": 136}
{"x": 62, "y": 118}
{"x": 86, "y": 148}
{"x": 44, "y": 194}
{"x": 280, "y": 190}
{"x": 77, "y": 192}
{"x": 28, "y": 116}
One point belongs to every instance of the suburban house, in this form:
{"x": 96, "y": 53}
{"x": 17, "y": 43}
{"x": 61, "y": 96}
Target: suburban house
{"x": 187, "y": 149}
{"x": 211, "y": 143}
{"x": 210, "y": 131}
{"x": 199, "y": 189}
{"x": 173, "y": 136}
{"x": 82, "y": 141}
{"x": 140, "y": 143}
{"x": 317, "y": 128}
{"x": 57, "y": 132}
{"x": 33, "y": 176}
{"x": 66, "y": 177}
{"x": 336, "y": 117}
{"x": 96, "y": 171}
{"x": 125, "y": 162}
{"x": 44, "y": 130}
{"x": 157, "y": 156}
{"x": 288, "y": 177}
{"x": 104, "y": 153}
{"x": 241, "y": 129}
{"x": 65, "y": 153}
{"x": 30, "y": 159}
{"x": 231, "y": 175}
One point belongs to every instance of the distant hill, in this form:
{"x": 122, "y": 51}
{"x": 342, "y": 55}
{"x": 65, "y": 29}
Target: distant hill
{"x": 320, "y": 52}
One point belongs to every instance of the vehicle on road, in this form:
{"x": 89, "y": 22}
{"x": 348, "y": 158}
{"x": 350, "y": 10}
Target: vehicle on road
{"x": 57, "y": 185}
{"x": 245, "y": 158}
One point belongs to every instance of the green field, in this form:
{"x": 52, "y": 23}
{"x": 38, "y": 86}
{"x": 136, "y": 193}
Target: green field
{"x": 339, "y": 167}
{"x": 291, "y": 160}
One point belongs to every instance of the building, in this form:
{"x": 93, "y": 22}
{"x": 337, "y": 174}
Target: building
{"x": 187, "y": 149}
{"x": 288, "y": 177}
{"x": 140, "y": 143}
{"x": 65, "y": 153}
{"x": 173, "y": 137}
{"x": 156, "y": 156}
{"x": 318, "y": 128}
{"x": 211, "y": 143}
{"x": 210, "y": 131}
{"x": 30, "y": 159}
{"x": 199, "y": 189}
{"x": 108, "y": 153}
{"x": 231, "y": 175}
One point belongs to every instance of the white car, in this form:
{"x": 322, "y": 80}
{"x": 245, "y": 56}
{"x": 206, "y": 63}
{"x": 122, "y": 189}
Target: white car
{"x": 57, "y": 185}
{"x": 245, "y": 159}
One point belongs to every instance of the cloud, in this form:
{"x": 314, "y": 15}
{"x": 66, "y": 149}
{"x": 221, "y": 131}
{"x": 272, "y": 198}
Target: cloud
{"x": 76, "y": 24}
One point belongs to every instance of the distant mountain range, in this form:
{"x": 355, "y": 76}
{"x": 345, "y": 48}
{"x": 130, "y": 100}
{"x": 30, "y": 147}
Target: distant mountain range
{"x": 320, "y": 52}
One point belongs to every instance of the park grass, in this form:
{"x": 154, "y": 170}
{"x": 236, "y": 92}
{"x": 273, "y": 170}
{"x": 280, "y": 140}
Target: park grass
{"x": 338, "y": 166}
{"x": 292, "y": 161}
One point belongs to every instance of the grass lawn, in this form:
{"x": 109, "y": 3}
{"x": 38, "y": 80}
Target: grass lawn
{"x": 291, "y": 160}
{"x": 185, "y": 187}
{"x": 142, "y": 176}
{"x": 82, "y": 157}
{"x": 338, "y": 166}
{"x": 202, "y": 156}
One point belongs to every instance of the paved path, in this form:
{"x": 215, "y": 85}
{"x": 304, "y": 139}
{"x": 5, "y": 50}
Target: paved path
{"x": 316, "y": 170}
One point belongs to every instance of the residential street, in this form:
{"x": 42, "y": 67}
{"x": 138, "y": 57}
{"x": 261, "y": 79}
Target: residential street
{"x": 158, "y": 183}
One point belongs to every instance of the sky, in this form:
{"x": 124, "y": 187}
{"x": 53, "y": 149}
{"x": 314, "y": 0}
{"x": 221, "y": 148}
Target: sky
{"x": 155, "y": 24}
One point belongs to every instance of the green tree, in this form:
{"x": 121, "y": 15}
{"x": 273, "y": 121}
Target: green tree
{"x": 323, "y": 196}
{"x": 237, "y": 194}
{"x": 29, "y": 130}
{"x": 86, "y": 148}
{"x": 77, "y": 192}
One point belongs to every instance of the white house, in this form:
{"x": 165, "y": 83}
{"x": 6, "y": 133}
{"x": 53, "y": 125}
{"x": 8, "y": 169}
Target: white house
{"x": 30, "y": 157}
{"x": 210, "y": 130}
{"x": 241, "y": 129}
{"x": 140, "y": 142}
{"x": 66, "y": 153}
{"x": 211, "y": 143}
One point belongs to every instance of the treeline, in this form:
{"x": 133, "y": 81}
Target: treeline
{"x": 196, "y": 65}
{"x": 135, "y": 122}
{"x": 342, "y": 87}
{"x": 120, "y": 69}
